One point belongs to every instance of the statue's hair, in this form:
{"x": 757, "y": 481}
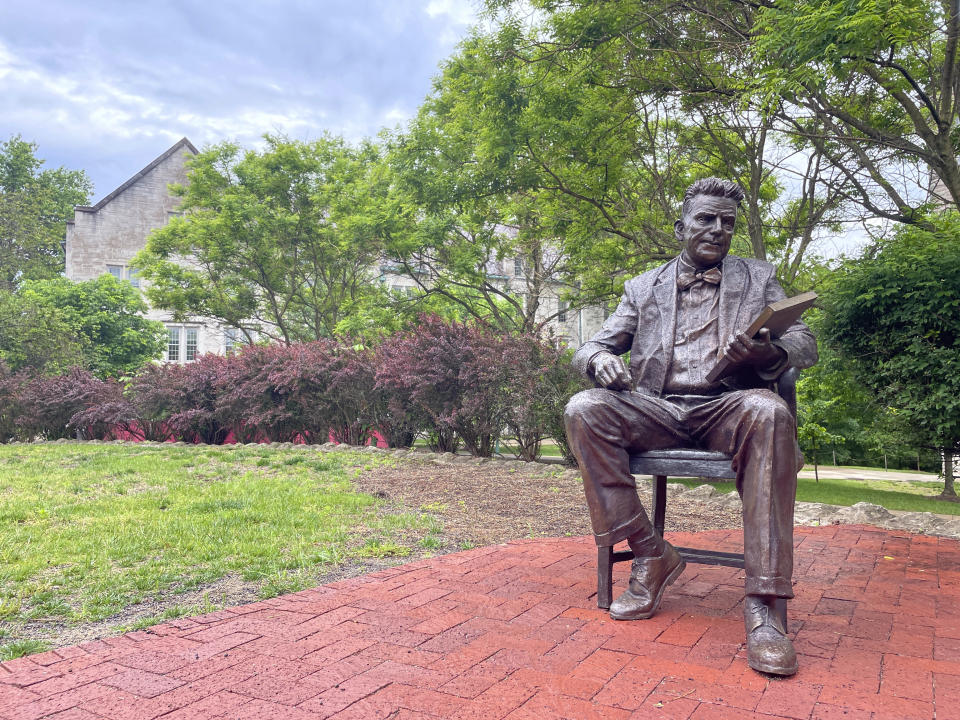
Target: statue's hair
{"x": 715, "y": 187}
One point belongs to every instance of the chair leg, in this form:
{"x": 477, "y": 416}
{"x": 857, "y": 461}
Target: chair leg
{"x": 659, "y": 502}
{"x": 604, "y": 577}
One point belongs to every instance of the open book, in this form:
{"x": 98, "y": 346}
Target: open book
{"x": 776, "y": 317}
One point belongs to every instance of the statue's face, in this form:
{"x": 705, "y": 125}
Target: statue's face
{"x": 706, "y": 229}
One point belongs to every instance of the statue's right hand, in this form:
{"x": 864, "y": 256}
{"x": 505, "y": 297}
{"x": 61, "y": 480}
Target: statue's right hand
{"x": 610, "y": 372}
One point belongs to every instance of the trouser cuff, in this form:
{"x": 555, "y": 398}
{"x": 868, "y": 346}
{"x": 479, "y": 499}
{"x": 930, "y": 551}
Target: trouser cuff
{"x": 775, "y": 586}
{"x": 637, "y": 524}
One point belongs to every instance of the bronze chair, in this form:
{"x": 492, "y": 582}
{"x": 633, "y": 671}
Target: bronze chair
{"x": 681, "y": 462}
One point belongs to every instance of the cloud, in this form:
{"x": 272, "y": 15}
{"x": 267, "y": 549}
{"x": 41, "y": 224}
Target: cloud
{"x": 107, "y": 85}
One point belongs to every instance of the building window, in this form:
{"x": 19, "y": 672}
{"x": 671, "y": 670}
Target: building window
{"x": 562, "y": 311}
{"x": 182, "y": 343}
{"x": 124, "y": 272}
{"x": 191, "y": 346}
{"x": 173, "y": 344}
{"x": 518, "y": 266}
{"x": 231, "y": 338}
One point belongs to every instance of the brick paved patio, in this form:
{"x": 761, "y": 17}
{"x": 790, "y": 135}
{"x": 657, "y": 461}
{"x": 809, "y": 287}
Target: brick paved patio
{"x": 513, "y": 631}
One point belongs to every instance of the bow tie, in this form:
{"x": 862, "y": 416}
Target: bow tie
{"x": 686, "y": 279}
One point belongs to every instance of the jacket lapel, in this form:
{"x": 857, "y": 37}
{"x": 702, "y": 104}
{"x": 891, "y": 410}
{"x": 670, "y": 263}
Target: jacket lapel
{"x": 665, "y": 297}
{"x": 733, "y": 289}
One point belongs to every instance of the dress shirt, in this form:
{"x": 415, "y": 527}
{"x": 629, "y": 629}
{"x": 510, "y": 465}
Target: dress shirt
{"x": 696, "y": 341}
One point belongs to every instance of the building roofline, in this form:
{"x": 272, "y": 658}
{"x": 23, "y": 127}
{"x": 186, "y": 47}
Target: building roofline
{"x": 182, "y": 143}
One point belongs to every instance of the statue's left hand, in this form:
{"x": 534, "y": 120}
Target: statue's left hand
{"x": 757, "y": 351}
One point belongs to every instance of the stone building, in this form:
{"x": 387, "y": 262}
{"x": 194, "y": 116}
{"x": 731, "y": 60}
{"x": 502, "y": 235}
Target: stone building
{"x": 103, "y": 238}
{"x": 553, "y": 315}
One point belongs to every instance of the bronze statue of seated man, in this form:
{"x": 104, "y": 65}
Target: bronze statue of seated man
{"x": 674, "y": 320}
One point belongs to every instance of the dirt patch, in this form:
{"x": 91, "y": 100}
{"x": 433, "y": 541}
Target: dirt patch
{"x": 496, "y": 502}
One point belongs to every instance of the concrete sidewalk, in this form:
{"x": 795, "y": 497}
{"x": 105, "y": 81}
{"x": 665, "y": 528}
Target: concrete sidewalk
{"x": 834, "y": 472}
{"x": 513, "y": 631}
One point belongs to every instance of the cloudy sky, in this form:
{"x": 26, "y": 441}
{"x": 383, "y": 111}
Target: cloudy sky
{"x": 107, "y": 85}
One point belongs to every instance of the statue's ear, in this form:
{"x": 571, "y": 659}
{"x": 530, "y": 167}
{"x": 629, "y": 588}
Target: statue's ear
{"x": 678, "y": 230}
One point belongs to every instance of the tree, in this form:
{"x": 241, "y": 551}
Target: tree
{"x": 37, "y": 337}
{"x": 34, "y": 207}
{"x": 51, "y": 325}
{"x": 838, "y": 414}
{"x": 874, "y": 85}
{"x": 567, "y": 141}
{"x": 284, "y": 240}
{"x": 894, "y": 314}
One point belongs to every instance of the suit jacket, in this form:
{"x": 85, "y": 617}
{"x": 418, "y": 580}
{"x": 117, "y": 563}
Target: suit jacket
{"x": 645, "y": 321}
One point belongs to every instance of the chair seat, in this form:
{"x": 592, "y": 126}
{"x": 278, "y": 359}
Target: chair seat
{"x": 682, "y": 462}
{"x": 682, "y": 454}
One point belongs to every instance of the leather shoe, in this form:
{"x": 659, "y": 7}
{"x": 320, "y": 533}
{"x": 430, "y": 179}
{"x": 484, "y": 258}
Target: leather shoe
{"x": 648, "y": 579}
{"x": 769, "y": 649}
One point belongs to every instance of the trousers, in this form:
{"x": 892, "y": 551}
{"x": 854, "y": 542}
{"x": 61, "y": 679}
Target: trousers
{"x": 755, "y": 427}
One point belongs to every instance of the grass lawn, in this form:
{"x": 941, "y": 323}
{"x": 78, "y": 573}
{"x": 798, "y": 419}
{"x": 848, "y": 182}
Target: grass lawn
{"x": 913, "y": 496}
{"x": 88, "y": 530}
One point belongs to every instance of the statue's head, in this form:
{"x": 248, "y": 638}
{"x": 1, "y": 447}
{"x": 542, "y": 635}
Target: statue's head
{"x": 705, "y": 227}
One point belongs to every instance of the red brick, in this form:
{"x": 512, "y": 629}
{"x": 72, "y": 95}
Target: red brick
{"x": 474, "y": 681}
{"x": 822, "y": 711}
{"x": 904, "y": 680}
{"x": 81, "y": 672}
{"x": 12, "y": 697}
{"x": 668, "y": 709}
{"x": 141, "y": 683}
{"x": 947, "y": 649}
{"x": 628, "y": 689}
{"x": 390, "y": 671}
{"x": 789, "y": 698}
{"x": 384, "y": 703}
{"x": 706, "y": 711}
{"x": 548, "y": 705}
{"x": 557, "y": 684}
{"x": 338, "y": 651}
{"x": 76, "y": 698}
{"x": 406, "y": 655}
{"x": 26, "y": 674}
{"x": 342, "y": 695}
{"x": 601, "y": 665}
{"x": 727, "y": 695}
{"x": 212, "y": 706}
{"x": 73, "y": 714}
{"x": 890, "y": 706}
{"x": 261, "y": 710}
{"x": 285, "y": 690}
{"x": 437, "y": 625}
{"x": 158, "y": 662}
{"x": 220, "y": 645}
{"x": 209, "y": 666}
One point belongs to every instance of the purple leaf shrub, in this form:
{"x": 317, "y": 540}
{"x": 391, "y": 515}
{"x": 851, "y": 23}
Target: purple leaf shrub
{"x": 54, "y": 407}
{"x": 451, "y": 373}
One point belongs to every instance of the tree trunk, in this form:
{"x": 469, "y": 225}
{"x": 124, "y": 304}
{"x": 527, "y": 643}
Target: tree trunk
{"x": 948, "y": 490}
